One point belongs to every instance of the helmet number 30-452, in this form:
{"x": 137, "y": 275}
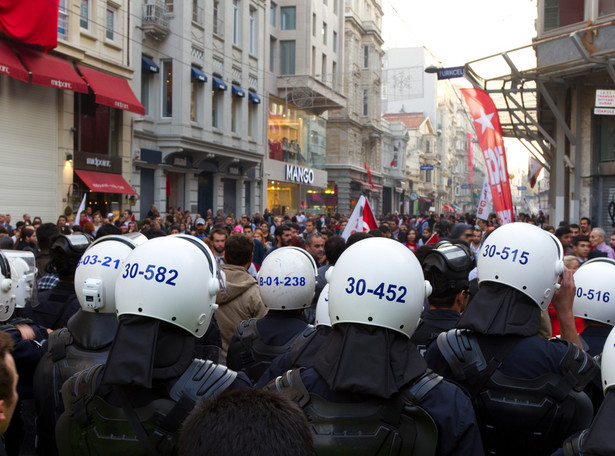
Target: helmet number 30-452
{"x": 389, "y": 291}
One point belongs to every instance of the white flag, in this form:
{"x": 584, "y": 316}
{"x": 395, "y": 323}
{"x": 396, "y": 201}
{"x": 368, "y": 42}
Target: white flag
{"x": 81, "y": 209}
{"x": 485, "y": 200}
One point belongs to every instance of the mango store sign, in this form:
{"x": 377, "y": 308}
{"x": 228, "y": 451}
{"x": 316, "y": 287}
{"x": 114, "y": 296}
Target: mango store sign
{"x": 299, "y": 174}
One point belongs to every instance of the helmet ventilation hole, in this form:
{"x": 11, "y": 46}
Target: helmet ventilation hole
{"x": 283, "y": 307}
{"x": 173, "y": 318}
{"x": 497, "y": 277}
{"x": 196, "y": 330}
{"x": 524, "y": 287}
{"x": 401, "y": 327}
{"x": 369, "y": 318}
{"x": 337, "y": 318}
{"x": 140, "y": 309}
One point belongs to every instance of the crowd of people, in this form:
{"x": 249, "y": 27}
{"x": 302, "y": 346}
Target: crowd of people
{"x": 269, "y": 334}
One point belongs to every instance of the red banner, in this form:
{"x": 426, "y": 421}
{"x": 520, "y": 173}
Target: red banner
{"x": 470, "y": 137}
{"x": 30, "y": 21}
{"x": 491, "y": 141}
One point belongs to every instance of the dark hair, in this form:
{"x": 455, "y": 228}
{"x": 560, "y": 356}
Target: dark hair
{"x": 154, "y": 233}
{"x": 246, "y": 421}
{"x": 218, "y": 231}
{"x": 384, "y": 228}
{"x": 376, "y": 232}
{"x": 26, "y": 232}
{"x": 356, "y": 237}
{"x": 310, "y": 238}
{"x": 6, "y": 379}
{"x": 334, "y": 247}
{"x": 106, "y": 229}
{"x": 238, "y": 249}
{"x": 589, "y": 222}
{"x": 45, "y": 233}
{"x": 580, "y": 238}
{"x": 280, "y": 229}
{"x": 562, "y": 230}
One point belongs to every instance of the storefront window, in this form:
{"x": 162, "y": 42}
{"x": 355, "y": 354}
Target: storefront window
{"x": 296, "y": 136}
{"x": 606, "y": 135}
{"x": 560, "y": 13}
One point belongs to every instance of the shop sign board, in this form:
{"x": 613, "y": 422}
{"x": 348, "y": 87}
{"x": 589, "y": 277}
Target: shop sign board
{"x": 605, "y": 98}
{"x": 299, "y": 174}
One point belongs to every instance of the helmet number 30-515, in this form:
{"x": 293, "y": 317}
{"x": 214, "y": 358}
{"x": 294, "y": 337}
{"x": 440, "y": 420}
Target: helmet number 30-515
{"x": 506, "y": 254}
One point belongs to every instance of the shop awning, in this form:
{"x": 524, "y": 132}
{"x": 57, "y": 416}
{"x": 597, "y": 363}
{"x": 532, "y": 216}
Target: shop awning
{"x": 197, "y": 74}
{"x": 253, "y": 98}
{"x": 448, "y": 208}
{"x": 148, "y": 64}
{"x": 238, "y": 91}
{"x": 51, "y": 71}
{"x": 10, "y": 64}
{"x": 105, "y": 182}
{"x": 111, "y": 90}
{"x": 218, "y": 83}
{"x": 367, "y": 185}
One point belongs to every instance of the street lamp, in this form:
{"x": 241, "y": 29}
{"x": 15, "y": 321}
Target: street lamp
{"x": 432, "y": 69}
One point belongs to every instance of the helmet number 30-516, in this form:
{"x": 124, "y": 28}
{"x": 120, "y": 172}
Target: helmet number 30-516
{"x": 390, "y": 292}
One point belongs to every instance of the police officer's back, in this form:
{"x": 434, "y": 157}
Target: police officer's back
{"x": 527, "y": 391}
{"x": 286, "y": 283}
{"x": 136, "y": 403}
{"x": 369, "y": 391}
{"x": 89, "y": 333}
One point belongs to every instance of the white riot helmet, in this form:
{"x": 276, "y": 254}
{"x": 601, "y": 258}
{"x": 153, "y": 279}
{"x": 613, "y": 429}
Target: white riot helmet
{"x": 608, "y": 362}
{"x": 525, "y": 258}
{"x": 377, "y": 282}
{"x": 172, "y": 278}
{"x": 322, "y": 309}
{"x": 287, "y": 279}
{"x": 7, "y": 295}
{"x": 595, "y": 296}
{"x": 23, "y": 276}
{"x": 99, "y": 268}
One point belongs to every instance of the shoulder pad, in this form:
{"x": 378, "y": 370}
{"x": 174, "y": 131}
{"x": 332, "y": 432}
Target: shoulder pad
{"x": 291, "y": 386}
{"x": 11, "y": 331}
{"x": 202, "y": 379}
{"x": 78, "y": 390}
{"x": 423, "y": 386}
{"x": 246, "y": 329}
{"x": 304, "y": 335}
{"x": 579, "y": 365}
{"x": 461, "y": 351}
{"x": 57, "y": 342}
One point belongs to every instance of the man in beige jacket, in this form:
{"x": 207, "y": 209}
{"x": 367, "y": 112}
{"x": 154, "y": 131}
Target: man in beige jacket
{"x": 241, "y": 300}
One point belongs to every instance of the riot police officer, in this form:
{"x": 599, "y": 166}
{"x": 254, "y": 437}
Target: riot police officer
{"x": 526, "y": 390}
{"x": 286, "y": 283}
{"x": 87, "y": 339}
{"x": 369, "y": 390}
{"x": 136, "y": 403}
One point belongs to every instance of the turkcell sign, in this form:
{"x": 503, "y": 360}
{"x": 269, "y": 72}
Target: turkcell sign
{"x": 449, "y": 73}
{"x": 466, "y": 186}
{"x": 426, "y": 167}
{"x": 521, "y": 187}
{"x": 299, "y": 174}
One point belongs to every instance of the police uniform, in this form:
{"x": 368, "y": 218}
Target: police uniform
{"x": 257, "y": 342}
{"x": 84, "y": 343}
{"x": 595, "y": 337}
{"x": 55, "y": 306}
{"x": 433, "y": 322}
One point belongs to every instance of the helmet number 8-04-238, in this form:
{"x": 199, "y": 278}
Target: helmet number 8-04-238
{"x": 387, "y": 291}
{"x": 160, "y": 273}
{"x": 285, "y": 281}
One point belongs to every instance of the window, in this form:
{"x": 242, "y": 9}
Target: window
{"x": 234, "y": 113}
{"x": 216, "y": 108}
{"x": 62, "y": 20}
{"x": 253, "y": 31}
{"x": 560, "y": 13}
{"x": 365, "y": 104}
{"x": 365, "y": 56}
{"x": 271, "y": 55}
{"x": 314, "y": 24}
{"x": 334, "y": 41}
{"x": 146, "y": 80}
{"x": 84, "y": 15}
{"x": 324, "y": 33}
{"x": 427, "y": 147}
{"x": 272, "y": 12}
{"x": 335, "y": 2}
{"x": 287, "y": 61}
{"x": 334, "y": 74}
{"x": 98, "y": 126}
{"x": 167, "y": 88}
{"x": 605, "y": 8}
{"x": 197, "y": 12}
{"x": 313, "y": 60}
{"x": 236, "y": 23}
{"x": 428, "y": 175}
{"x": 110, "y": 22}
{"x": 289, "y": 17}
{"x": 323, "y": 68}
{"x": 169, "y": 5}
{"x": 218, "y": 14}
{"x": 252, "y": 107}
{"x": 605, "y": 135}
{"x": 194, "y": 93}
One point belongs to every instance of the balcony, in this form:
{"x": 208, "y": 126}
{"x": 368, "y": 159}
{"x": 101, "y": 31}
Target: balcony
{"x": 307, "y": 92}
{"x": 155, "y": 19}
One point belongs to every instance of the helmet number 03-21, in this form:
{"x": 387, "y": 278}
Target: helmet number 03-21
{"x": 107, "y": 262}
{"x": 506, "y": 254}
{"x": 593, "y": 294}
{"x": 389, "y": 291}
{"x": 158, "y": 273}
{"x": 284, "y": 281}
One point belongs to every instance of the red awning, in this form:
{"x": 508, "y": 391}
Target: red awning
{"x": 105, "y": 182}
{"x": 51, "y": 71}
{"x": 10, "y": 64}
{"x": 111, "y": 90}
{"x": 367, "y": 185}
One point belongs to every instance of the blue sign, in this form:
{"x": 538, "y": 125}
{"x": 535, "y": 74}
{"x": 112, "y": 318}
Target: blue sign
{"x": 521, "y": 187}
{"x": 466, "y": 186}
{"x": 449, "y": 73}
{"x": 426, "y": 167}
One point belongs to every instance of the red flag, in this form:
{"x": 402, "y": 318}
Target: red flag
{"x": 31, "y": 21}
{"x": 534, "y": 170}
{"x": 361, "y": 219}
{"x": 392, "y": 164}
{"x": 369, "y": 175}
{"x": 433, "y": 239}
{"x": 491, "y": 142}
{"x": 369, "y": 221}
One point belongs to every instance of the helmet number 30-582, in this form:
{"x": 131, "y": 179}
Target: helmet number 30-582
{"x": 158, "y": 273}
{"x": 389, "y": 291}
